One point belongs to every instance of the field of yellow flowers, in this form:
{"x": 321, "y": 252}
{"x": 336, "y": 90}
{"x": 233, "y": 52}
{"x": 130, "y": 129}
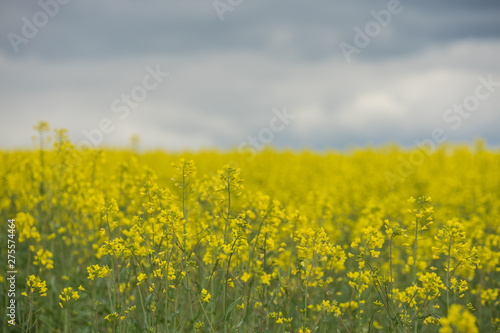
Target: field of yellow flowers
{"x": 113, "y": 240}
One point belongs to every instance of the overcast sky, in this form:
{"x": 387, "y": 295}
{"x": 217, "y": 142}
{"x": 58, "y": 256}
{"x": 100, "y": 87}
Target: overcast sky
{"x": 339, "y": 73}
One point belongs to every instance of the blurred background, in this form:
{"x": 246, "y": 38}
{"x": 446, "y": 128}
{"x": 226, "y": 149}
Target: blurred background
{"x": 323, "y": 74}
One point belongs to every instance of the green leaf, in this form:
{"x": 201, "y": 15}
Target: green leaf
{"x": 231, "y": 308}
{"x": 148, "y": 300}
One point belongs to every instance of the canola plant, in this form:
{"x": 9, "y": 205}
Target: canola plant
{"x": 110, "y": 240}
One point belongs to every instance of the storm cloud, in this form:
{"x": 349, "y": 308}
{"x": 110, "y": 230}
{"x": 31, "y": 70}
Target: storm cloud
{"x": 78, "y": 63}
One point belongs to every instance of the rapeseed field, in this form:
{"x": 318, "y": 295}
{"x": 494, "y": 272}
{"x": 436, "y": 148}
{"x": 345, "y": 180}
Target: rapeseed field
{"x": 370, "y": 240}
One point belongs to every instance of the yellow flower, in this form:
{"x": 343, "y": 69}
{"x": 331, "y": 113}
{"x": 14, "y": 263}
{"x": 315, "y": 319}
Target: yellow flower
{"x": 141, "y": 278}
{"x": 36, "y": 286}
{"x": 101, "y": 272}
{"x": 205, "y": 296}
{"x": 67, "y": 295}
{"x": 266, "y": 279}
{"x": 112, "y": 316}
{"x": 459, "y": 320}
{"x": 488, "y": 295}
{"x": 43, "y": 257}
{"x": 245, "y": 277}
{"x": 330, "y": 308}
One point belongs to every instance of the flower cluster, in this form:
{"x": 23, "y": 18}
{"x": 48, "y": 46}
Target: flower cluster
{"x": 36, "y": 286}
{"x": 308, "y": 242}
{"x": 96, "y": 270}
{"x": 67, "y": 295}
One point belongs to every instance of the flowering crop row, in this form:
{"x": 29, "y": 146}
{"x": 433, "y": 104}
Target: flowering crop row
{"x": 117, "y": 241}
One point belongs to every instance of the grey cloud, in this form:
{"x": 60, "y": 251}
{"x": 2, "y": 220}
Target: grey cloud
{"x": 228, "y": 76}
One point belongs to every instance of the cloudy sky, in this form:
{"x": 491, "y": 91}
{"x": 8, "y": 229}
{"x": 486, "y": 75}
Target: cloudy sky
{"x": 338, "y": 73}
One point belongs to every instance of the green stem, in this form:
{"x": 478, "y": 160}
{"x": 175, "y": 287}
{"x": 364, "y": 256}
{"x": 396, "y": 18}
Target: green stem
{"x": 95, "y": 307}
{"x": 184, "y": 212}
{"x": 224, "y": 297}
{"x": 225, "y": 241}
{"x": 206, "y": 316}
{"x": 390, "y": 261}
{"x": 415, "y": 328}
{"x": 29, "y": 314}
{"x": 143, "y": 308}
{"x": 448, "y": 278}
{"x": 69, "y": 319}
